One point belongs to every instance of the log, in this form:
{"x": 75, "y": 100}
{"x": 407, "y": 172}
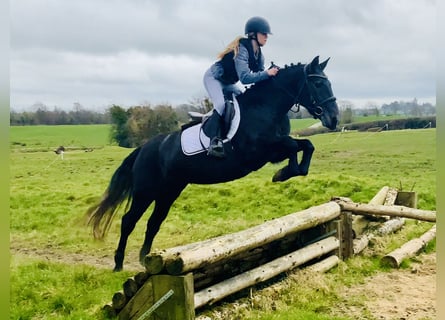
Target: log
{"x": 325, "y": 264}
{"x": 360, "y": 223}
{"x": 392, "y": 225}
{"x": 389, "y": 226}
{"x": 141, "y": 301}
{"x": 108, "y": 311}
{"x": 141, "y": 278}
{"x": 265, "y": 272}
{"x": 359, "y": 244}
{"x": 221, "y": 270}
{"x": 223, "y": 247}
{"x": 154, "y": 262}
{"x": 393, "y": 211}
{"x": 246, "y": 260}
{"x": 380, "y": 197}
{"x": 119, "y": 300}
{"x": 130, "y": 288}
{"x": 409, "y": 249}
{"x": 391, "y": 197}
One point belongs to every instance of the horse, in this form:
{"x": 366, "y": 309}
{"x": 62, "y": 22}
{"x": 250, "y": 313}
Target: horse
{"x": 158, "y": 171}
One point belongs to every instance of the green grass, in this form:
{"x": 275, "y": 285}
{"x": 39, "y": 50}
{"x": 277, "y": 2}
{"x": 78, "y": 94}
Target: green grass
{"x": 45, "y": 290}
{"x": 49, "y": 196}
{"x": 298, "y": 124}
{"x": 44, "y": 138}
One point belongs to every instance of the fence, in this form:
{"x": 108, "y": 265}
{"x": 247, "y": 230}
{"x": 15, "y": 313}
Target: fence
{"x": 180, "y": 280}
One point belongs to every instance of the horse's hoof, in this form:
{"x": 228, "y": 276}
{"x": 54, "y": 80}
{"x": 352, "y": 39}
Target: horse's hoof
{"x": 277, "y": 176}
{"x": 117, "y": 269}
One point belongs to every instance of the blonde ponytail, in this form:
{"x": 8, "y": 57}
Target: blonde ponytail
{"x": 232, "y": 46}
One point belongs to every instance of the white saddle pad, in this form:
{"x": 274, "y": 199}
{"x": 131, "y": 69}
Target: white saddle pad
{"x": 194, "y": 140}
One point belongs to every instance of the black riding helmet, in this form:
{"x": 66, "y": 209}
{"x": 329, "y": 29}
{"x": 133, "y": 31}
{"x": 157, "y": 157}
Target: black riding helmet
{"x": 257, "y": 24}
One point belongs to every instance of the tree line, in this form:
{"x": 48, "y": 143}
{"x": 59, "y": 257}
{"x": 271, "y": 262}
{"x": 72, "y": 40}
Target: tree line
{"x": 133, "y": 126}
{"x": 402, "y": 108}
{"x": 44, "y": 116}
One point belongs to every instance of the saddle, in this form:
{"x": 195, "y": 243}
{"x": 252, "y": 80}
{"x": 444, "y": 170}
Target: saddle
{"x": 193, "y": 137}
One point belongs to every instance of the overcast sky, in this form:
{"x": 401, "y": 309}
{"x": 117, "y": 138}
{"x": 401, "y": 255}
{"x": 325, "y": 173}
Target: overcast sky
{"x": 131, "y": 52}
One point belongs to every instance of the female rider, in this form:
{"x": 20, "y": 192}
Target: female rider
{"x": 242, "y": 60}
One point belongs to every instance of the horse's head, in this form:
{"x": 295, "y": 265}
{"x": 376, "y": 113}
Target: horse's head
{"x": 318, "y": 97}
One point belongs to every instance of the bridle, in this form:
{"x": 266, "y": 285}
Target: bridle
{"x": 316, "y": 109}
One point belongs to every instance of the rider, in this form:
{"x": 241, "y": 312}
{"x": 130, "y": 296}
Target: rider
{"x": 241, "y": 60}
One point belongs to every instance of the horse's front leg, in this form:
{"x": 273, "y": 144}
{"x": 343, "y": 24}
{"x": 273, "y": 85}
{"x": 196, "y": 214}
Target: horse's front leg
{"x": 308, "y": 149}
{"x": 291, "y": 148}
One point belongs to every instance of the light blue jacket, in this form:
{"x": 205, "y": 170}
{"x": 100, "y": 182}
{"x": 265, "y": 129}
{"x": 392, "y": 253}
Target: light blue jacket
{"x": 245, "y": 75}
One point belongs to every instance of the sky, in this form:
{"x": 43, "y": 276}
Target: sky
{"x": 97, "y": 53}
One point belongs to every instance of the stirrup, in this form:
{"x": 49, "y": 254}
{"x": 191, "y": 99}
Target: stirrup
{"x": 216, "y": 148}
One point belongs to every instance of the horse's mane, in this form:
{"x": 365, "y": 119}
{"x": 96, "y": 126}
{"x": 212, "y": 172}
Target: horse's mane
{"x": 258, "y": 91}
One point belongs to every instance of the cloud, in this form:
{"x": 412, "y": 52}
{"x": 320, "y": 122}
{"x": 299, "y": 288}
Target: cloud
{"x": 101, "y": 52}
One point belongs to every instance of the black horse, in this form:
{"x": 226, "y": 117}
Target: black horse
{"x": 158, "y": 171}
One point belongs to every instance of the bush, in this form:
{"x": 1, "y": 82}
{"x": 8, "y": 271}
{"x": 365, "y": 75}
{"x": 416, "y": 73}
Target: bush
{"x": 133, "y": 127}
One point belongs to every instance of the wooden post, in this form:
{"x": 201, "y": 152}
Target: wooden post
{"x": 181, "y": 304}
{"x": 177, "y": 306}
{"x": 407, "y": 199}
{"x": 140, "y": 302}
{"x": 345, "y": 236}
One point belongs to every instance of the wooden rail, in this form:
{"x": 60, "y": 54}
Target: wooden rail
{"x": 202, "y": 273}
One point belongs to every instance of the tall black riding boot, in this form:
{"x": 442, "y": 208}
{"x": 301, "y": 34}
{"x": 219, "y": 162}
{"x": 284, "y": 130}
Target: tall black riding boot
{"x": 213, "y": 126}
{"x": 229, "y": 113}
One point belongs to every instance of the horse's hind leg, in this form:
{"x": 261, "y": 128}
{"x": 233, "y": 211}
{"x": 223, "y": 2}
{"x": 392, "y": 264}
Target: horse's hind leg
{"x": 160, "y": 211}
{"x": 139, "y": 204}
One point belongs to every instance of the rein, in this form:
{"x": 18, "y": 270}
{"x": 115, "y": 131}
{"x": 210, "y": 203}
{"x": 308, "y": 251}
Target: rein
{"x": 290, "y": 94}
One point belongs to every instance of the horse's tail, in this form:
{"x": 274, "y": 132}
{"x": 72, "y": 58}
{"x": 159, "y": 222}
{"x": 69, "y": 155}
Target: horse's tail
{"x": 120, "y": 189}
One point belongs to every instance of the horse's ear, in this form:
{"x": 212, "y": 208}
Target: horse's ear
{"x": 315, "y": 62}
{"x": 324, "y": 63}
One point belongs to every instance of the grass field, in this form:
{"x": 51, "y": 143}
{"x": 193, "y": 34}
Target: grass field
{"x": 44, "y": 138}
{"x": 49, "y": 196}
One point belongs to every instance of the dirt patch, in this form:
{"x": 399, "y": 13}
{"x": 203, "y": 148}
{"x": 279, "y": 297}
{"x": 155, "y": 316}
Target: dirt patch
{"x": 399, "y": 294}
{"x": 52, "y": 254}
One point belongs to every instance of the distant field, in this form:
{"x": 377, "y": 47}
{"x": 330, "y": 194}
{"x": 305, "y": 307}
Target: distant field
{"x": 49, "y": 137}
{"x": 55, "y": 272}
{"x": 298, "y": 124}
{"x": 43, "y": 138}
{"x": 375, "y": 118}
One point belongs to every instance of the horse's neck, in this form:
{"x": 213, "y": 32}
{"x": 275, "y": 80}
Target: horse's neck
{"x": 266, "y": 98}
